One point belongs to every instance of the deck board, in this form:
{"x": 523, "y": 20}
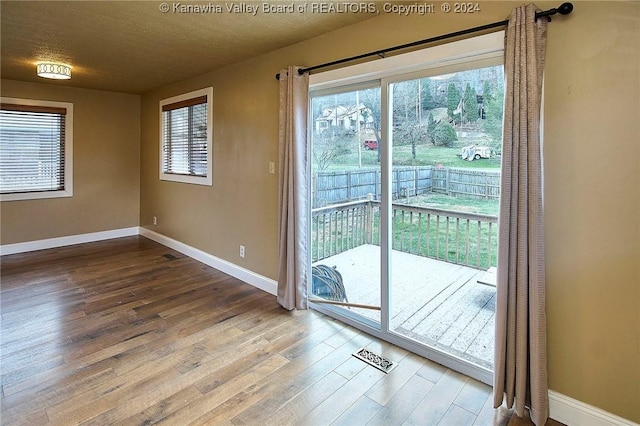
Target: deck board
{"x": 435, "y": 302}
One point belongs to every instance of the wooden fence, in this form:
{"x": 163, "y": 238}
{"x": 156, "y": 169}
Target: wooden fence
{"x": 466, "y": 182}
{"x": 454, "y": 237}
{"x": 344, "y": 186}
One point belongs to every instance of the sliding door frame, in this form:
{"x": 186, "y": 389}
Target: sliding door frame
{"x": 478, "y": 51}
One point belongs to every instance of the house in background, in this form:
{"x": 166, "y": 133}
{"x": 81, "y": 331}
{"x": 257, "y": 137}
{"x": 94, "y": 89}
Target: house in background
{"x": 354, "y": 117}
{"x": 129, "y": 56}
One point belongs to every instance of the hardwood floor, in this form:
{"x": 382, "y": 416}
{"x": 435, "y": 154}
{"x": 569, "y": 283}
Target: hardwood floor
{"x": 127, "y": 331}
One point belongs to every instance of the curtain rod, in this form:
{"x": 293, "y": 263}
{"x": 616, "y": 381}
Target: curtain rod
{"x": 564, "y": 9}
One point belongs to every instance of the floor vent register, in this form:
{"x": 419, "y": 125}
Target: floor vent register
{"x": 371, "y": 358}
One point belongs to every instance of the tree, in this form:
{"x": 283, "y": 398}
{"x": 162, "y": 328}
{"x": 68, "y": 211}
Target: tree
{"x": 453, "y": 100}
{"x": 371, "y": 99}
{"x": 470, "y": 104}
{"x": 440, "y": 133}
{"x": 431, "y": 128}
{"x": 410, "y": 133}
{"x": 428, "y": 102}
{"x": 407, "y": 114}
{"x": 329, "y": 144}
{"x": 487, "y": 92}
{"x": 494, "y": 108}
{"x": 406, "y": 103}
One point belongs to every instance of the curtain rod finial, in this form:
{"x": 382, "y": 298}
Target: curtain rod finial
{"x": 565, "y": 8}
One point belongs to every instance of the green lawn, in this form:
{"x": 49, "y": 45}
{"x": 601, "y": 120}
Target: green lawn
{"x": 426, "y": 155}
{"x": 445, "y": 202}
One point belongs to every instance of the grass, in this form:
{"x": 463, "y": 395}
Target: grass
{"x": 468, "y": 205}
{"x": 426, "y": 155}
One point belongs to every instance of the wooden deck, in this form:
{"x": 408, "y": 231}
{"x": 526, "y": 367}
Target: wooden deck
{"x": 434, "y": 302}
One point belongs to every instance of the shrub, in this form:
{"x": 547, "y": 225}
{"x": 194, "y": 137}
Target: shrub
{"x": 444, "y": 134}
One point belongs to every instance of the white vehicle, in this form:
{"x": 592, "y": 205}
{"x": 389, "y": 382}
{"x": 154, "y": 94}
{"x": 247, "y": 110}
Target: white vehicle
{"x": 473, "y": 152}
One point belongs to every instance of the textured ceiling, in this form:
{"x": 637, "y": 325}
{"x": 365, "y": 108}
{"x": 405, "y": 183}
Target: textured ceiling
{"x": 132, "y": 46}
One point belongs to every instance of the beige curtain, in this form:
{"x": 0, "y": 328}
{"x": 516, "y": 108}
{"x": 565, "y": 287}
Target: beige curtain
{"x": 292, "y": 196}
{"x": 520, "y": 363}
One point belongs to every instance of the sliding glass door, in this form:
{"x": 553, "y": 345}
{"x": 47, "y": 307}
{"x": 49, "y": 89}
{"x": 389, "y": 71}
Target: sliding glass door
{"x": 405, "y": 172}
{"x": 445, "y": 183}
{"x": 345, "y": 201}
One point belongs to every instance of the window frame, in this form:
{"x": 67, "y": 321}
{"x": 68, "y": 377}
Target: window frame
{"x": 184, "y": 178}
{"x": 68, "y": 149}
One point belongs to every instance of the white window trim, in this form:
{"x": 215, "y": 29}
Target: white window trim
{"x": 435, "y": 60}
{"x": 197, "y": 180}
{"x": 68, "y": 147}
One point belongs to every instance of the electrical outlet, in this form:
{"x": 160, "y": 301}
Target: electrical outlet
{"x": 155, "y": 220}
{"x": 241, "y": 251}
{"x": 272, "y": 167}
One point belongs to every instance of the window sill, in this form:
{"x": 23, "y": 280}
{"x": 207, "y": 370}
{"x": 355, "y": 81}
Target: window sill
{"x": 23, "y": 196}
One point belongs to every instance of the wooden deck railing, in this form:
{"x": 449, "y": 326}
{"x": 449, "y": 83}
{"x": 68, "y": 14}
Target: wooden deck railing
{"x": 468, "y": 239}
{"x": 341, "y": 227}
{"x": 457, "y": 237}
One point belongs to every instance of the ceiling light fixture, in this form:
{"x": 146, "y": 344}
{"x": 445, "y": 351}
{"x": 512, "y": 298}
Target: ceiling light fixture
{"x": 53, "y": 70}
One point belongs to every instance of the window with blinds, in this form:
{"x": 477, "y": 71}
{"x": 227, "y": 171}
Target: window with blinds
{"x": 34, "y": 149}
{"x": 186, "y": 137}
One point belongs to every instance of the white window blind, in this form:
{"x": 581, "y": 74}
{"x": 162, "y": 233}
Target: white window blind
{"x": 184, "y": 136}
{"x": 32, "y": 148}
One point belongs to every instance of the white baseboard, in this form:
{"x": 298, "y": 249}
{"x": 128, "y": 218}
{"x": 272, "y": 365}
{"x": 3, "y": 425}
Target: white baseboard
{"x": 573, "y": 412}
{"x": 256, "y": 280}
{"x": 66, "y": 241}
{"x": 250, "y": 277}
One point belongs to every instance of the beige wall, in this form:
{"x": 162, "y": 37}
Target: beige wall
{"x": 592, "y": 205}
{"x": 592, "y": 176}
{"x": 106, "y": 167}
